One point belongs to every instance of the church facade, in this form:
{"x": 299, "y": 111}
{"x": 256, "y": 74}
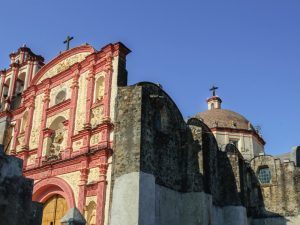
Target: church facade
{"x": 58, "y": 118}
{"x": 124, "y": 155}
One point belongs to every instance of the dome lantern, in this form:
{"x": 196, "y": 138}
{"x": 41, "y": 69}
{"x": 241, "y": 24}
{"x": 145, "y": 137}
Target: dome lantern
{"x": 214, "y": 102}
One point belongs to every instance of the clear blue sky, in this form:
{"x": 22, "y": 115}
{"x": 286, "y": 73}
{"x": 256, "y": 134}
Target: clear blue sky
{"x": 250, "y": 49}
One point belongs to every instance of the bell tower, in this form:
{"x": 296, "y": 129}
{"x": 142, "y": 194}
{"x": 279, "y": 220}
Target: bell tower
{"x": 24, "y": 64}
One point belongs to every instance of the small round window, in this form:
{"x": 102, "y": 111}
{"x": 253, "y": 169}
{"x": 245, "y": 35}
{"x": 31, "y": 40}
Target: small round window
{"x": 264, "y": 175}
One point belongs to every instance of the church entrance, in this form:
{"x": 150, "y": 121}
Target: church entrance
{"x": 54, "y": 209}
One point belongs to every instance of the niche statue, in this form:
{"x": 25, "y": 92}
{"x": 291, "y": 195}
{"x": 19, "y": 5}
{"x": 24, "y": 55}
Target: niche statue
{"x": 55, "y": 146}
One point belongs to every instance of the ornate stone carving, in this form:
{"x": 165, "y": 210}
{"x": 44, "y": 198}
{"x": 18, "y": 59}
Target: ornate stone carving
{"x": 36, "y": 122}
{"x": 56, "y": 144}
{"x": 96, "y": 116}
{"x": 64, "y": 65}
{"x": 95, "y": 139}
{"x": 81, "y": 102}
{"x": 77, "y": 145}
{"x": 21, "y": 140}
{"x": 31, "y": 159}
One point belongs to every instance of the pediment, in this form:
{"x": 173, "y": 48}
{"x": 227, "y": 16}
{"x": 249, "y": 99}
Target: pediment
{"x": 63, "y": 62}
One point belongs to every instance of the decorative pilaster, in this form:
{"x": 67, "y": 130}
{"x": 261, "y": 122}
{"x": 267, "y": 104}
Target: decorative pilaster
{"x": 108, "y": 84}
{"x": 28, "y": 74}
{"x": 101, "y": 193}
{"x": 47, "y": 134}
{"x": 46, "y": 100}
{"x": 72, "y": 116}
{"x": 28, "y": 127}
{"x": 2, "y": 73}
{"x": 15, "y": 68}
{"x": 86, "y": 134}
{"x": 82, "y": 188}
{"x": 35, "y": 68}
{"x": 7, "y": 102}
{"x": 89, "y": 101}
{"x": 16, "y": 135}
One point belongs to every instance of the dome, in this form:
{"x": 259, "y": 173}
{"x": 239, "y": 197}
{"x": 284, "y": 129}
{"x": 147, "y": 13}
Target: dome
{"x": 225, "y": 119}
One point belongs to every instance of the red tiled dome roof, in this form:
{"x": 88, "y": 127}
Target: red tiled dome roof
{"x": 224, "y": 118}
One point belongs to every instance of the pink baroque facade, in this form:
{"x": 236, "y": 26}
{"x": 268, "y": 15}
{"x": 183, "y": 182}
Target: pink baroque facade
{"x": 58, "y": 117}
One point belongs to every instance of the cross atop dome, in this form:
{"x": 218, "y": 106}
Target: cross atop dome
{"x": 213, "y": 89}
{"x": 214, "y": 102}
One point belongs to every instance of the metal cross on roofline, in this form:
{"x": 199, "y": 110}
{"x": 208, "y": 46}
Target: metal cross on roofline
{"x": 213, "y": 89}
{"x": 67, "y": 41}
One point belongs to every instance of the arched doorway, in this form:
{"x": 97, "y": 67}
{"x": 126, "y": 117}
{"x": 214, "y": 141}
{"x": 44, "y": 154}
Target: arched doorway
{"x": 57, "y": 198}
{"x": 54, "y": 209}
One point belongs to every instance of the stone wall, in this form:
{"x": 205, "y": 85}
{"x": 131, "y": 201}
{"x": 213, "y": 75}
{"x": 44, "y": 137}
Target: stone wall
{"x": 165, "y": 170}
{"x": 168, "y": 171}
{"x": 281, "y": 195}
{"x": 16, "y": 206}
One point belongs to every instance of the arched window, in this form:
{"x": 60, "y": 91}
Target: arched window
{"x": 60, "y": 97}
{"x": 6, "y": 88}
{"x": 20, "y": 84}
{"x": 212, "y": 106}
{"x": 17, "y": 96}
{"x": 264, "y": 175}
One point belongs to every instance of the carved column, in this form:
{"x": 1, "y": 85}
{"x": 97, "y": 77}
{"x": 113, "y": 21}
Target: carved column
{"x": 72, "y": 116}
{"x": 101, "y": 194}
{"x": 16, "y": 134}
{"x": 29, "y": 123}
{"x": 82, "y": 188}
{"x": 47, "y": 134}
{"x": 89, "y": 101}
{"x": 46, "y": 100}
{"x": 108, "y": 84}
{"x": 35, "y": 68}
{"x": 28, "y": 74}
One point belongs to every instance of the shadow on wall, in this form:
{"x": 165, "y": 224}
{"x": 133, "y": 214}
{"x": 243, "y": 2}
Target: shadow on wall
{"x": 185, "y": 157}
{"x": 185, "y": 162}
{"x": 228, "y": 177}
{"x": 240, "y": 186}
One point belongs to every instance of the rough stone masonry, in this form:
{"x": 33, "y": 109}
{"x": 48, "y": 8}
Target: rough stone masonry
{"x": 16, "y": 206}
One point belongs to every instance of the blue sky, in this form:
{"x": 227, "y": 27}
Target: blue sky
{"x": 250, "y": 49}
